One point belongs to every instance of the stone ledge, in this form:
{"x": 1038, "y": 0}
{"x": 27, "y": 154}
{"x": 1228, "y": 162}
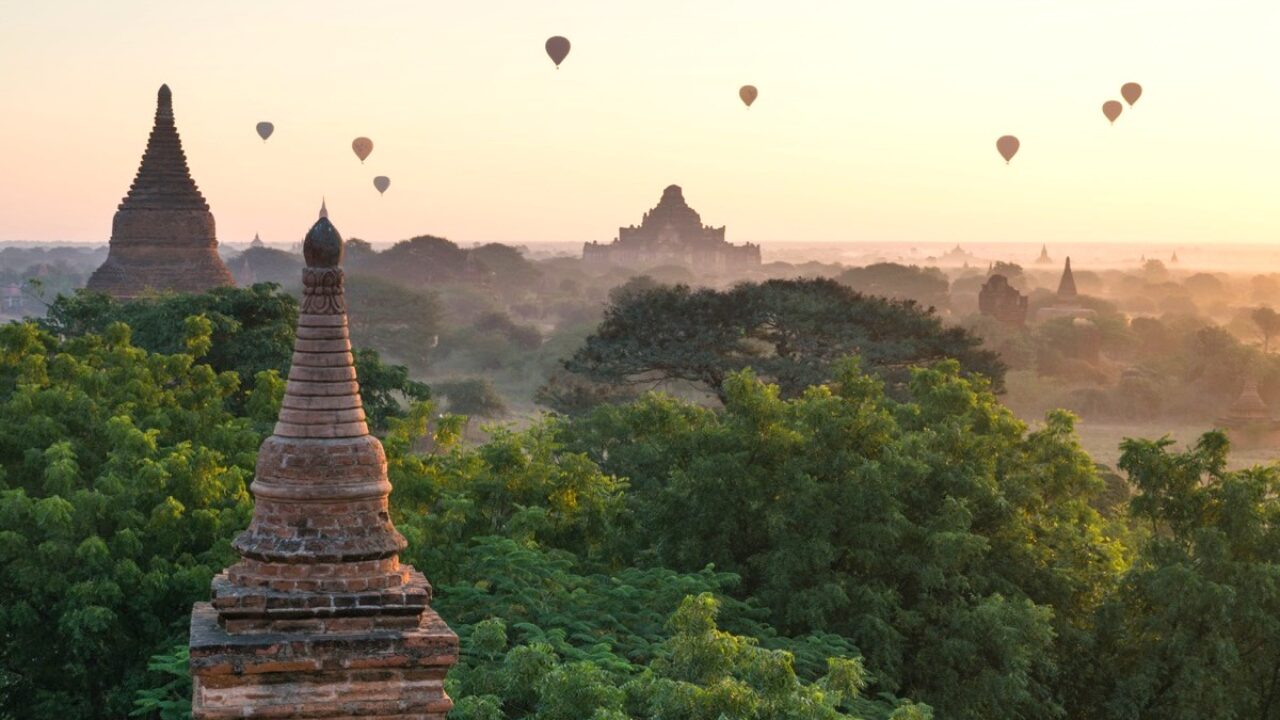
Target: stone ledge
{"x": 216, "y": 652}
{"x": 234, "y": 601}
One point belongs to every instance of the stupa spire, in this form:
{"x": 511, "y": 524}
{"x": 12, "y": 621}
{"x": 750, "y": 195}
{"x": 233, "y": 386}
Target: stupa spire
{"x": 164, "y": 180}
{"x": 1067, "y": 285}
{"x": 319, "y": 595}
{"x": 162, "y": 236}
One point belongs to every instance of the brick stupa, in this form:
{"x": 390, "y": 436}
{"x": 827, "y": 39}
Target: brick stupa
{"x": 162, "y": 236}
{"x": 1066, "y": 303}
{"x": 319, "y": 619}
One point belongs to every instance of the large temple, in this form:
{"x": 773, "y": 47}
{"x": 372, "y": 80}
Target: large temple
{"x": 319, "y": 619}
{"x": 162, "y": 236}
{"x": 1002, "y": 301}
{"x": 672, "y": 233}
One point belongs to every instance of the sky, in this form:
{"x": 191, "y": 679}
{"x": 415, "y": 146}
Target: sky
{"x": 876, "y": 121}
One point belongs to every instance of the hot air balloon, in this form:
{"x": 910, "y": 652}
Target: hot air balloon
{"x": 1131, "y": 92}
{"x": 265, "y": 129}
{"x": 362, "y": 147}
{"x": 748, "y": 94}
{"x": 1008, "y": 147}
{"x": 1112, "y": 109}
{"x": 557, "y": 49}
{"x": 382, "y": 182}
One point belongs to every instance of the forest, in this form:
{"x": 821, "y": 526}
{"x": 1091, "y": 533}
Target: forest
{"x": 816, "y": 493}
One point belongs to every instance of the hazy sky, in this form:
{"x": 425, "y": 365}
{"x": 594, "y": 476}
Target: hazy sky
{"x": 875, "y": 121}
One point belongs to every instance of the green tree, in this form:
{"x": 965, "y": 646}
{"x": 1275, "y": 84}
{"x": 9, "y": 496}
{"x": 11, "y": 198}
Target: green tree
{"x": 790, "y": 332}
{"x": 927, "y": 286}
{"x": 1268, "y": 322}
{"x": 1193, "y": 630}
{"x": 251, "y": 330}
{"x": 474, "y": 397}
{"x": 401, "y": 323}
{"x": 938, "y": 536}
{"x": 124, "y": 479}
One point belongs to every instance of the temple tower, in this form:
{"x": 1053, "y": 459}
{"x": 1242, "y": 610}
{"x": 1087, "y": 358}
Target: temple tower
{"x": 162, "y": 236}
{"x": 1067, "y": 285}
{"x": 319, "y": 619}
{"x": 1066, "y": 304}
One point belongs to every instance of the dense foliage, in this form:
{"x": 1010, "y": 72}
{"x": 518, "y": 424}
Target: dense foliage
{"x": 927, "y": 533}
{"x": 882, "y": 542}
{"x": 790, "y": 332}
{"x": 124, "y": 477}
{"x": 251, "y": 331}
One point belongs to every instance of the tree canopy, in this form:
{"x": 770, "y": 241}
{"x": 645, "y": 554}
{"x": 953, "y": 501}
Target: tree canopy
{"x": 926, "y": 285}
{"x": 790, "y": 332}
{"x": 251, "y": 330}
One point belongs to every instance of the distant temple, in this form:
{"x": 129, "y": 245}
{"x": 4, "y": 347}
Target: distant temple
{"x": 1067, "y": 284}
{"x": 1067, "y": 303}
{"x": 1000, "y": 300}
{"x": 672, "y": 234}
{"x": 1044, "y": 258}
{"x": 1248, "y": 421}
{"x": 162, "y": 236}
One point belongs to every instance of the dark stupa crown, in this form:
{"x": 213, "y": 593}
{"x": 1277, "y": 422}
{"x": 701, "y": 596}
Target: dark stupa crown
{"x": 164, "y": 181}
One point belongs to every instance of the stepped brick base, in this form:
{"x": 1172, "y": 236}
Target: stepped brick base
{"x": 378, "y": 674}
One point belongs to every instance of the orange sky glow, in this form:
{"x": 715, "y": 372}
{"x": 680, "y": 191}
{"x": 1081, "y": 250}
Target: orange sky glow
{"x": 875, "y": 121}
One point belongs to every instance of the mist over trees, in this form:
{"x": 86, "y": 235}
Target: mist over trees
{"x": 788, "y": 331}
{"x": 831, "y": 510}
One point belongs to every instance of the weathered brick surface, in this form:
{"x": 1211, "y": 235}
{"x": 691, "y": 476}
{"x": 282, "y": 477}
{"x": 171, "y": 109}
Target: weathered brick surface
{"x": 319, "y": 619}
{"x": 376, "y": 674}
{"x": 163, "y": 236}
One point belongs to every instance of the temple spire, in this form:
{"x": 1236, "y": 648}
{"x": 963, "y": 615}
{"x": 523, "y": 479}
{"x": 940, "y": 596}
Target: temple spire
{"x": 163, "y": 237}
{"x": 1067, "y": 285}
{"x": 319, "y": 617}
{"x": 164, "y": 181}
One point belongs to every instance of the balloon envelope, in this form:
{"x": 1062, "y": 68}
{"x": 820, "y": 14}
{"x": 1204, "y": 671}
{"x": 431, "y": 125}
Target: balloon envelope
{"x": 558, "y": 49}
{"x": 362, "y": 146}
{"x": 382, "y": 182}
{"x": 265, "y": 129}
{"x": 748, "y": 94}
{"x": 1131, "y": 92}
{"x": 1008, "y": 147}
{"x": 1112, "y": 109}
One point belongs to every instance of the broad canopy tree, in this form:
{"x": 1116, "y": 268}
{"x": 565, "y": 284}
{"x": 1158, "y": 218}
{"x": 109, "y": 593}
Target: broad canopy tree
{"x": 789, "y": 332}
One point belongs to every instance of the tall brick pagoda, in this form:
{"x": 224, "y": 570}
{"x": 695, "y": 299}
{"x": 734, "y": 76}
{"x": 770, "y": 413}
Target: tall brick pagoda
{"x": 319, "y": 619}
{"x": 162, "y": 236}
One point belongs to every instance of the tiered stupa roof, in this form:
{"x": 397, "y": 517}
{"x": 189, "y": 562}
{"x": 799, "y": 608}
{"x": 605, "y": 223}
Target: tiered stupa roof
{"x": 163, "y": 181}
{"x": 163, "y": 236}
{"x": 319, "y": 618}
{"x": 672, "y": 215}
{"x": 1249, "y": 407}
{"x": 1067, "y": 285}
